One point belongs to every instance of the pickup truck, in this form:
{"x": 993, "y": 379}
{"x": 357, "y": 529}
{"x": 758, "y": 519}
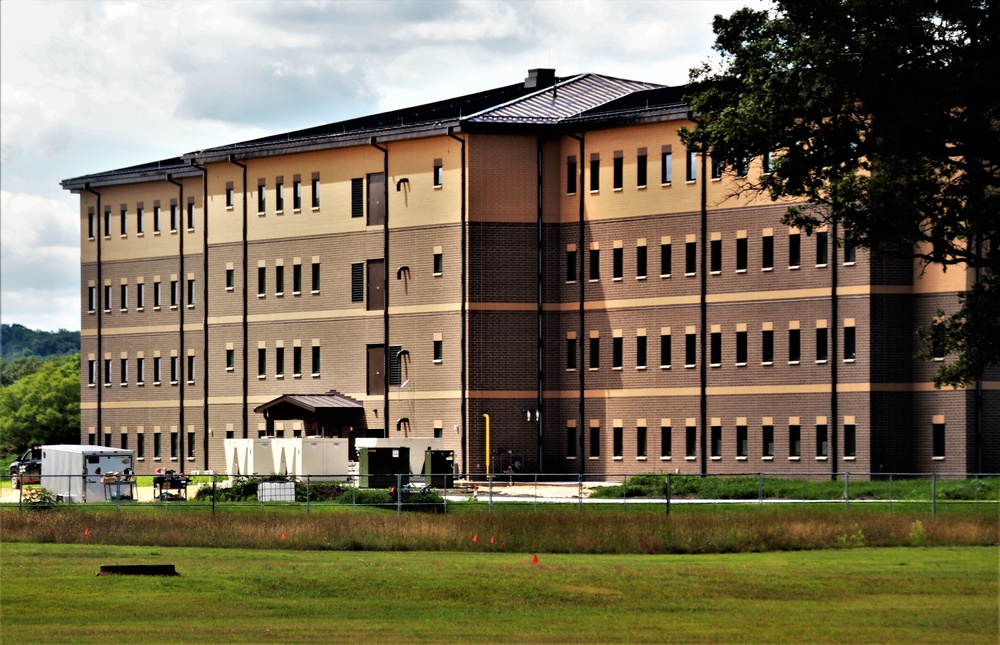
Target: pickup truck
{"x": 27, "y": 469}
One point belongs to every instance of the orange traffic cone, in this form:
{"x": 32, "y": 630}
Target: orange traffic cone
{"x": 282, "y": 536}
{"x": 475, "y": 538}
{"x": 86, "y": 533}
{"x": 491, "y": 539}
{"x": 534, "y": 560}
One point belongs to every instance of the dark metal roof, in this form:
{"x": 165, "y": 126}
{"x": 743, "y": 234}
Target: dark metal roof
{"x": 175, "y": 167}
{"x": 313, "y": 402}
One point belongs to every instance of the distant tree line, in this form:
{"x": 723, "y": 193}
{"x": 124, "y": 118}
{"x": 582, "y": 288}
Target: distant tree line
{"x": 17, "y": 341}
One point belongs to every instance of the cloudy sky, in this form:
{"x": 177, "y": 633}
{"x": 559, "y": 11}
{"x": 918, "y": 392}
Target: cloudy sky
{"x": 88, "y": 86}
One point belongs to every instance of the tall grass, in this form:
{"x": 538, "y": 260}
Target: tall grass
{"x": 555, "y": 531}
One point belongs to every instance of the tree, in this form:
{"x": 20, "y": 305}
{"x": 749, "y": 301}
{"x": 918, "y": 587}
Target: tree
{"x": 883, "y": 118}
{"x": 42, "y": 408}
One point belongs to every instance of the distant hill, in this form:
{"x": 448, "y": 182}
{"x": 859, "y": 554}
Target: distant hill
{"x": 17, "y": 341}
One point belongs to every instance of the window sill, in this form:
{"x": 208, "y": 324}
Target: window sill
{"x": 640, "y": 277}
{"x": 571, "y": 457}
{"x": 793, "y": 362}
{"x": 617, "y": 458}
{"x": 124, "y": 236}
{"x": 794, "y": 458}
{"x": 766, "y": 269}
{"x": 641, "y": 368}
{"x": 640, "y": 459}
{"x": 821, "y": 266}
{"x": 690, "y": 275}
{"x": 314, "y": 292}
{"x": 91, "y": 238}
{"x": 571, "y": 195}
{"x": 437, "y": 361}
{"x": 767, "y": 458}
{"x": 91, "y": 385}
{"x": 279, "y": 294}
{"x": 173, "y": 307}
{"x": 296, "y": 375}
{"x": 190, "y": 230}
{"x": 280, "y": 211}
{"x": 107, "y": 385}
{"x": 716, "y": 458}
{"x": 594, "y": 192}
{"x": 156, "y": 308}
{"x": 314, "y": 209}
{"x": 937, "y": 458}
{"x": 190, "y": 458}
{"x": 849, "y": 360}
{"x": 849, "y": 264}
{"x": 570, "y": 369}
{"x": 664, "y": 367}
{"x": 593, "y": 369}
{"x": 173, "y": 231}
{"x": 190, "y": 382}
{"x": 849, "y": 458}
{"x": 315, "y": 375}
{"x": 616, "y": 190}
{"x": 261, "y": 213}
{"x": 738, "y": 458}
{"x": 691, "y": 182}
{"x": 616, "y": 279}
{"x": 438, "y": 186}
{"x": 107, "y": 311}
{"x": 157, "y": 458}
{"x": 174, "y": 383}
{"x": 741, "y": 270}
{"x": 664, "y": 458}
{"x": 156, "y": 383}
{"x": 190, "y": 306}
{"x": 261, "y": 295}
{"x": 156, "y": 232}
{"x": 665, "y": 184}
{"x": 690, "y": 367}
{"x": 617, "y": 368}
{"x": 714, "y": 365}
{"x": 594, "y": 458}
{"x": 793, "y": 268}
{"x": 125, "y": 384}
{"x": 173, "y": 459}
{"x": 767, "y": 363}
{"x": 821, "y": 361}
{"x": 741, "y": 365}
{"x": 642, "y": 187}
{"x": 140, "y": 309}
{"x": 230, "y": 289}
{"x": 140, "y": 234}
{"x": 261, "y": 377}
{"x": 140, "y": 383}
{"x": 279, "y": 376}
{"x": 437, "y": 275}
{"x": 664, "y": 275}
{"x": 592, "y": 280}
{"x": 690, "y": 459}
{"x": 715, "y": 273}
{"x": 821, "y": 458}
{"x": 230, "y": 369}
{"x": 296, "y": 293}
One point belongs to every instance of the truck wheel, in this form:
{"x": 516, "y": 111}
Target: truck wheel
{"x": 15, "y": 482}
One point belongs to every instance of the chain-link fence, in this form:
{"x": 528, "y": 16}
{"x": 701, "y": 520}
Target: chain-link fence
{"x": 445, "y": 492}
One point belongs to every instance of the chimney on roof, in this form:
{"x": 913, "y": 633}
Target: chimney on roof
{"x": 540, "y": 78}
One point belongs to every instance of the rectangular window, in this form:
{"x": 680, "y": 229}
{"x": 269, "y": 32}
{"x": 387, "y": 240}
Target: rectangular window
{"x": 261, "y": 362}
{"x": 279, "y": 279}
{"x": 279, "y": 195}
{"x": 640, "y": 168}
{"x": 665, "y": 350}
{"x": 666, "y": 441}
{"x": 107, "y": 298}
{"x": 91, "y": 299}
{"x": 190, "y": 368}
{"x": 124, "y": 221}
{"x": 618, "y": 442}
{"x": 156, "y": 218}
{"x": 438, "y": 173}
{"x": 230, "y": 191}
{"x": 571, "y": 353}
{"x": 296, "y": 193}
{"x": 741, "y": 254}
{"x": 640, "y": 442}
{"x": 140, "y": 296}
{"x": 173, "y": 216}
{"x": 850, "y": 253}
{"x": 821, "y": 344}
{"x": 438, "y": 351}
{"x": 230, "y": 359}
{"x": 140, "y": 446}
{"x": 358, "y": 197}
{"x": 92, "y": 372}
{"x": 794, "y": 441}
{"x": 190, "y": 293}
{"x": 937, "y": 439}
{"x": 190, "y": 213}
{"x": 768, "y": 162}
{"x": 91, "y": 224}
{"x": 296, "y": 278}
{"x": 595, "y": 442}
{"x": 616, "y": 352}
{"x": 850, "y": 340}
{"x": 438, "y": 263}
{"x": 124, "y": 371}
{"x": 716, "y": 169}
{"x": 690, "y": 258}
{"x": 666, "y": 166}
{"x": 619, "y": 170}
{"x": 690, "y": 442}
{"x": 570, "y": 266}
{"x": 261, "y": 281}
{"x": 794, "y": 249}
{"x": 595, "y": 353}
{"x": 296, "y": 361}
{"x": 140, "y": 227}
{"x": 665, "y": 260}
{"x": 715, "y": 341}
{"x": 822, "y": 249}
{"x": 315, "y": 360}
{"x": 741, "y": 347}
{"x": 315, "y": 190}
{"x": 767, "y": 346}
{"x": 174, "y": 445}
{"x": 107, "y": 371}
{"x": 107, "y": 221}
{"x": 743, "y": 168}
{"x": 570, "y": 441}
{"x": 595, "y": 172}
{"x": 190, "y": 445}
{"x": 640, "y": 352}
{"x": 124, "y": 441}
{"x": 175, "y": 295}
{"x": 157, "y": 445}
{"x": 571, "y": 175}
{"x": 767, "y": 253}
{"x": 640, "y": 262}
{"x": 595, "y": 264}
{"x": 279, "y": 361}
{"x": 716, "y": 441}
{"x": 690, "y": 350}
{"x": 157, "y": 295}
{"x": 821, "y": 439}
{"x": 691, "y": 171}
{"x": 174, "y": 368}
{"x": 157, "y": 369}
{"x": 617, "y": 263}
{"x": 261, "y": 196}
{"x": 315, "y": 277}
{"x": 715, "y": 251}
{"x": 794, "y": 348}
{"x": 850, "y": 440}
{"x": 767, "y": 434}
{"x": 140, "y": 370}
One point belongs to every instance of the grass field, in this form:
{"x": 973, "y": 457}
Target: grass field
{"x": 49, "y": 594}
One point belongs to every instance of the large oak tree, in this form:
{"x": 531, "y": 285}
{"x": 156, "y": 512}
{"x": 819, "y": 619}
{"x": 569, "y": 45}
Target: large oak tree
{"x": 883, "y": 117}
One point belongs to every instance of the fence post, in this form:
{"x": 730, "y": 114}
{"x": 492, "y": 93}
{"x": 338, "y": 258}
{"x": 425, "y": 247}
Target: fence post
{"x": 934, "y": 494}
{"x": 847, "y": 492}
{"x": 308, "y": 493}
{"x": 760, "y": 490}
{"x": 399, "y": 494}
{"x": 579, "y": 491}
{"x": 489, "y": 478}
{"x": 625, "y": 491}
{"x": 214, "y": 491}
{"x": 715, "y": 493}
{"x": 536, "y": 492}
{"x": 668, "y": 493}
{"x": 976, "y": 484}
{"x": 890, "y": 492}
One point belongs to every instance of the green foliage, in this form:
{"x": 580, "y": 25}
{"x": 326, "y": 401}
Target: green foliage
{"x": 13, "y": 370}
{"x": 852, "y": 540}
{"x": 38, "y": 499}
{"x": 42, "y": 408}
{"x": 839, "y": 92}
{"x": 917, "y": 533}
{"x": 19, "y": 341}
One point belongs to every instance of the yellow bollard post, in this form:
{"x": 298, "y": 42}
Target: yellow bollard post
{"x": 488, "y": 473}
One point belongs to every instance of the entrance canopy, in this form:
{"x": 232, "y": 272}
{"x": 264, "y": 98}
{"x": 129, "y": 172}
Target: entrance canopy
{"x": 330, "y": 415}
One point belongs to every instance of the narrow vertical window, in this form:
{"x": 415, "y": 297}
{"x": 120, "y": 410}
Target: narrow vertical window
{"x": 190, "y": 293}
{"x": 821, "y": 439}
{"x": 261, "y": 281}
{"x": 438, "y": 350}
{"x": 767, "y": 345}
{"x": 157, "y": 445}
{"x": 794, "y": 348}
{"x": 571, "y": 175}
{"x": 140, "y": 446}
{"x": 571, "y": 441}
{"x": 261, "y": 362}
{"x": 315, "y": 360}
{"x": 140, "y": 370}
{"x": 190, "y": 445}
{"x": 822, "y": 249}
{"x": 297, "y": 361}
{"x": 618, "y": 442}
{"x": 640, "y": 168}
{"x": 690, "y": 441}
{"x": 595, "y": 172}
{"x": 261, "y": 196}
{"x": 315, "y": 277}
{"x": 794, "y": 440}
{"x": 619, "y": 170}
{"x": 230, "y": 279}
{"x": 124, "y": 441}
{"x": 174, "y": 369}
{"x": 850, "y": 440}
{"x": 640, "y": 261}
{"x": 595, "y": 441}
{"x": 595, "y": 264}
{"x": 230, "y": 360}
{"x": 571, "y": 353}
{"x": 279, "y": 194}
{"x": 715, "y": 253}
{"x": 716, "y": 169}
{"x": 850, "y": 253}
{"x": 640, "y": 442}
{"x": 794, "y": 249}
{"x": 690, "y": 257}
{"x": 173, "y": 445}
{"x": 123, "y": 366}
{"x": 767, "y": 251}
{"x": 438, "y": 173}
{"x": 140, "y": 227}
{"x": 741, "y": 441}
{"x": 174, "y": 294}
{"x": 617, "y": 351}
{"x": 715, "y": 343}
{"x": 315, "y": 190}
{"x": 850, "y": 341}
{"x": 438, "y": 263}
{"x": 140, "y": 296}
{"x": 767, "y": 436}
{"x": 107, "y": 371}
{"x": 91, "y": 223}
{"x": 571, "y": 265}
{"x": 595, "y": 352}
{"x": 123, "y": 301}
{"x": 296, "y": 278}
{"x": 666, "y": 165}
{"x": 173, "y": 216}
{"x": 124, "y": 220}
{"x": 156, "y": 217}
{"x": 279, "y": 361}
{"x": 107, "y": 298}
{"x": 666, "y": 259}
{"x": 617, "y": 263}
{"x": 190, "y": 368}
{"x": 937, "y": 439}
{"x": 743, "y": 168}
{"x": 230, "y": 193}
{"x": 640, "y": 352}
{"x": 279, "y": 279}
{"x": 821, "y": 345}
{"x": 91, "y": 299}
{"x": 691, "y": 171}
{"x": 741, "y": 346}
{"x": 296, "y": 192}
{"x": 665, "y": 349}
{"x": 690, "y": 349}
{"x": 91, "y": 372}
{"x": 666, "y": 441}
{"x": 107, "y": 221}
{"x": 741, "y": 254}
{"x": 190, "y": 213}
{"x": 157, "y": 370}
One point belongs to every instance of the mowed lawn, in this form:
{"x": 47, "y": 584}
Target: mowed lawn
{"x": 49, "y": 593}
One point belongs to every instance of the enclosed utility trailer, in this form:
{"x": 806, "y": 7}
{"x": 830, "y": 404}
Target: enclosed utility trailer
{"x": 249, "y": 456}
{"x": 82, "y": 473}
{"x": 321, "y": 458}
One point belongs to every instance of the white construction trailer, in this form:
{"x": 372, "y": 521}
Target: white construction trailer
{"x": 322, "y": 459}
{"x": 79, "y": 473}
{"x": 249, "y": 456}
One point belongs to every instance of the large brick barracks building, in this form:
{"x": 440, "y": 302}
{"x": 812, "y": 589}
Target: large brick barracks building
{"x": 546, "y": 253}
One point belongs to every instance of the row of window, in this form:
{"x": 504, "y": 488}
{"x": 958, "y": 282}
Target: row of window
{"x": 794, "y": 337}
{"x": 279, "y": 361}
{"x": 279, "y": 278}
{"x": 141, "y": 363}
{"x": 140, "y": 219}
{"x": 140, "y": 444}
{"x": 279, "y": 193}
{"x": 741, "y": 259}
{"x": 140, "y": 296}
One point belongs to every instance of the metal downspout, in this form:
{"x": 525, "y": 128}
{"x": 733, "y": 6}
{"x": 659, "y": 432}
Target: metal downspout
{"x": 464, "y": 365}
{"x": 246, "y": 336}
{"x": 541, "y": 291}
{"x": 181, "y": 367}
{"x": 834, "y": 360}
{"x": 580, "y": 253}
{"x": 385, "y": 282}
{"x": 204, "y": 300}
{"x": 703, "y": 332}
{"x": 98, "y": 296}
